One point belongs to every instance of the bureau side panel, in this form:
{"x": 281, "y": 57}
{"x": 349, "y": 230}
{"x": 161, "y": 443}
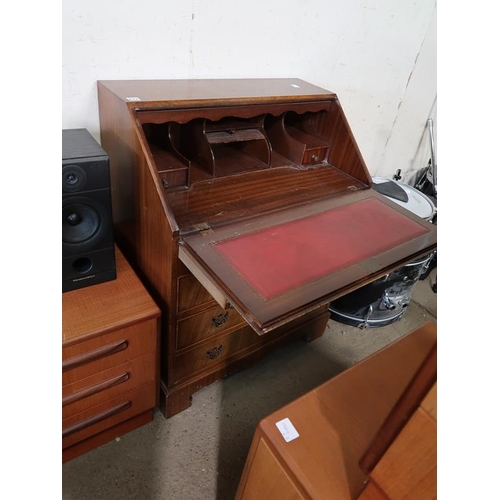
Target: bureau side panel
{"x": 344, "y": 151}
{"x": 117, "y": 139}
{"x": 142, "y": 219}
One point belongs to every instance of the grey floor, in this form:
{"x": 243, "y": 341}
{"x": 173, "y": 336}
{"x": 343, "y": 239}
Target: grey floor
{"x": 199, "y": 454}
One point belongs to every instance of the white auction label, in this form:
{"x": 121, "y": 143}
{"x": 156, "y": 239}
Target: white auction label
{"x": 288, "y": 431}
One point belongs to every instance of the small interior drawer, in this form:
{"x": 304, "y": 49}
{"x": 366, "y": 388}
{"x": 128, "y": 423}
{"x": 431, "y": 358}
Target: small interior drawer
{"x": 174, "y": 177}
{"x": 314, "y": 155}
{"x": 211, "y": 322}
{"x": 96, "y": 389}
{"x": 101, "y": 353}
{"x": 105, "y": 415}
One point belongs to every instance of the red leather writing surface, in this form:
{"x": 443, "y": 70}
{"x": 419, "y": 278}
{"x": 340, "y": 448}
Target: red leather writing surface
{"x": 277, "y": 259}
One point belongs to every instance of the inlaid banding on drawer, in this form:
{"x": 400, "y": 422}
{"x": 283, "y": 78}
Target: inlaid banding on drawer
{"x": 211, "y": 322}
{"x": 217, "y": 351}
{"x": 208, "y": 354}
{"x": 191, "y": 293}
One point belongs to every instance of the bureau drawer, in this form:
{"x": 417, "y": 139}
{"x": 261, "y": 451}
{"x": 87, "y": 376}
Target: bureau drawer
{"x": 91, "y": 391}
{"x": 314, "y": 156}
{"x": 99, "y": 354}
{"x": 174, "y": 177}
{"x": 107, "y": 414}
{"x": 212, "y": 353}
{"x": 191, "y": 293}
{"x": 211, "y": 322}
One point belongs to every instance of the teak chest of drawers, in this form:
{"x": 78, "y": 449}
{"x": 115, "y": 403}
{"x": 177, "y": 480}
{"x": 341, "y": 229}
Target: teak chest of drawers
{"x": 247, "y": 208}
{"x": 110, "y": 365}
{"x": 369, "y": 433}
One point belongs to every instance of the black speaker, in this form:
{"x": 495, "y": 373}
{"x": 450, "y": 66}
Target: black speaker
{"x": 88, "y": 254}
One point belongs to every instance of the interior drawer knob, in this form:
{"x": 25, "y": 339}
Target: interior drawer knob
{"x": 219, "y": 320}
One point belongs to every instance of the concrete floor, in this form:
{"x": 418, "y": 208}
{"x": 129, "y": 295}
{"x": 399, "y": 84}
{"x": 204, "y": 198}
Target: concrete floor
{"x": 199, "y": 454}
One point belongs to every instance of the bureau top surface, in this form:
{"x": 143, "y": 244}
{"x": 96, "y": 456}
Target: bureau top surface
{"x": 232, "y": 90}
{"x": 105, "y": 307}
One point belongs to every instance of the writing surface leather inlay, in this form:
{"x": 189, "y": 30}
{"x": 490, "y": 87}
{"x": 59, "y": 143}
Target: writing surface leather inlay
{"x": 277, "y": 259}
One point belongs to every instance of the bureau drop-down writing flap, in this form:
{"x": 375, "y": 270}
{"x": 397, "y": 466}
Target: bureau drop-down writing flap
{"x": 276, "y": 267}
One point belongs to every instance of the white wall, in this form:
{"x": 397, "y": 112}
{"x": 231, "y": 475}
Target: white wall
{"x": 378, "y": 56}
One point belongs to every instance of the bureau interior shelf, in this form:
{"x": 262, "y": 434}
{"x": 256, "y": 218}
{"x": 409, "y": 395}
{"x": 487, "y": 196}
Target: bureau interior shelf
{"x": 299, "y": 137}
{"x": 172, "y": 166}
{"x": 227, "y": 146}
{"x": 200, "y": 148}
{"x": 231, "y": 159}
{"x": 232, "y": 136}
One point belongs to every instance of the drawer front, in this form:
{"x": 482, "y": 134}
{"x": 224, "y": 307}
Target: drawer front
{"x": 99, "y": 354}
{"x": 96, "y": 389}
{"x": 174, "y": 177}
{"x": 191, "y": 293}
{"x": 206, "y": 324}
{"x": 313, "y": 156}
{"x": 213, "y": 353}
{"x": 105, "y": 415}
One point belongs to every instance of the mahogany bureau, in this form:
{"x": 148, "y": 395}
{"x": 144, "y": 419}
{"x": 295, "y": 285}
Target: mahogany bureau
{"x": 246, "y": 207}
{"x": 110, "y": 366}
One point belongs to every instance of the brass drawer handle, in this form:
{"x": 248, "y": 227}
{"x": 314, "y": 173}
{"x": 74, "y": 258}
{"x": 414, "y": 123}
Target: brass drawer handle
{"x": 96, "y": 419}
{"x": 88, "y": 357}
{"x": 215, "y": 352}
{"x": 90, "y": 391}
{"x": 219, "y": 320}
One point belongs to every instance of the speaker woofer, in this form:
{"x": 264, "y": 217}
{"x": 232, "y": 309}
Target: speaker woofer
{"x": 80, "y": 223}
{"x": 86, "y": 224}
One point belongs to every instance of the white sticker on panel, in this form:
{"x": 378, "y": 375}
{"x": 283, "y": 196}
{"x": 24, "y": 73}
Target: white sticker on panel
{"x": 133, "y": 98}
{"x": 288, "y": 431}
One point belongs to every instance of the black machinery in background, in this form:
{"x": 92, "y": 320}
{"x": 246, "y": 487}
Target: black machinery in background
{"x": 385, "y": 300}
{"x": 426, "y": 179}
{"x": 426, "y": 182}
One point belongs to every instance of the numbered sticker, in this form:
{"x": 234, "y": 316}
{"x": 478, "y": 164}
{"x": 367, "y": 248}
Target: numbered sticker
{"x": 288, "y": 431}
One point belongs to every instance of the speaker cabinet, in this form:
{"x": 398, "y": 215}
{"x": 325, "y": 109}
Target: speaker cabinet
{"x": 88, "y": 254}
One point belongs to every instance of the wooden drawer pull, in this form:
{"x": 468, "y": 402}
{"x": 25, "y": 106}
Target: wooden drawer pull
{"x": 96, "y": 419}
{"x": 94, "y": 355}
{"x": 90, "y": 391}
{"x": 215, "y": 352}
{"x": 220, "y": 320}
